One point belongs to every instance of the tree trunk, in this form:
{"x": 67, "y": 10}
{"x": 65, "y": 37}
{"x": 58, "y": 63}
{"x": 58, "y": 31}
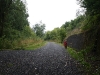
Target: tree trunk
{"x": 96, "y": 41}
{"x": 1, "y": 25}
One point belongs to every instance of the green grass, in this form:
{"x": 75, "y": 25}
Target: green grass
{"x": 79, "y": 56}
{"x": 35, "y": 46}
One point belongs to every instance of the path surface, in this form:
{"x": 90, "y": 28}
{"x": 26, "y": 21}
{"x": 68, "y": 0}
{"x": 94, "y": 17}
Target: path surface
{"x": 51, "y": 59}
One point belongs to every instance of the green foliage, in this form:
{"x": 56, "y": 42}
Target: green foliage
{"x": 35, "y": 45}
{"x": 39, "y": 29}
{"x": 58, "y": 34}
{"x": 47, "y": 35}
{"x": 13, "y": 16}
{"x": 4, "y": 8}
{"x": 28, "y": 32}
{"x": 92, "y": 28}
{"x": 80, "y": 57}
{"x": 62, "y": 34}
{"x": 69, "y": 26}
{"x": 92, "y": 14}
{"x": 55, "y": 34}
{"x": 14, "y": 26}
{"x": 17, "y": 16}
{"x": 91, "y": 6}
{"x": 92, "y": 22}
{"x": 85, "y": 56}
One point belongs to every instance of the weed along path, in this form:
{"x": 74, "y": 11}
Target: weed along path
{"x": 52, "y": 59}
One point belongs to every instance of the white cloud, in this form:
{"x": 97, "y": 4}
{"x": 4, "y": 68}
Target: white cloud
{"x": 53, "y": 13}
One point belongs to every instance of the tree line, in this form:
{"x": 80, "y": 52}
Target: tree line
{"x": 14, "y": 22}
{"x": 13, "y": 17}
{"x": 14, "y": 25}
{"x": 91, "y": 22}
{"x": 60, "y": 33}
{"x": 88, "y": 22}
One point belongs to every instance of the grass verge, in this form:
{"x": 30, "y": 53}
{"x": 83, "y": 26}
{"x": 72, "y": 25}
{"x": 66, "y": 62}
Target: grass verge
{"x": 79, "y": 56}
{"x": 21, "y": 44}
{"x": 35, "y": 46}
{"x": 88, "y": 66}
{"x": 30, "y": 44}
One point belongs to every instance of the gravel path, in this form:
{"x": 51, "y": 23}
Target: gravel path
{"x": 51, "y": 59}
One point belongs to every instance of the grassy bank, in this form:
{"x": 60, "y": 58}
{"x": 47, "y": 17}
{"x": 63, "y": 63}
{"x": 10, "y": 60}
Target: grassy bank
{"x": 30, "y": 44}
{"x": 35, "y": 45}
{"x": 21, "y": 44}
{"x": 82, "y": 58}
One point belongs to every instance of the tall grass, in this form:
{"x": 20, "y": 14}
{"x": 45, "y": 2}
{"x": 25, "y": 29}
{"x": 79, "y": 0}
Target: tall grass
{"x": 81, "y": 56}
{"x": 20, "y": 44}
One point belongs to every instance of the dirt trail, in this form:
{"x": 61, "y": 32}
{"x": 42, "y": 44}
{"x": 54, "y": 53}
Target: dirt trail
{"x": 51, "y": 59}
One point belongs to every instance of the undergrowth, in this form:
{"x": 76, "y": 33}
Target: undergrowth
{"x": 21, "y": 44}
{"x": 82, "y": 58}
{"x": 35, "y": 45}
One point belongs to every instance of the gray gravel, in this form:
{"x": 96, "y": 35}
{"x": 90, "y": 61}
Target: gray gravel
{"x": 51, "y": 59}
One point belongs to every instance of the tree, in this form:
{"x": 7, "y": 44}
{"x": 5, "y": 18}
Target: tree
{"x": 17, "y": 16}
{"x": 92, "y": 23}
{"x": 28, "y": 32}
{"x": 13, "y": 17}
{"x": 39, "y": 29}
{"x": 92, "y": 6}
{"x": 62, "y": 34}
{"x": 57, "y": 34}
{"x": 4, "y": 8}
{"x": 47, "y": 35}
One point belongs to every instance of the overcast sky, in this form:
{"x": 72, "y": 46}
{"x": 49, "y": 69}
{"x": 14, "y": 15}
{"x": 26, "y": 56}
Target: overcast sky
{"x": 53, "y": 13}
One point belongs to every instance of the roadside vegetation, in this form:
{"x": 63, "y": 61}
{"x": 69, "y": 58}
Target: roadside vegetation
{"x": 89, "y": 24}
{"x": 84, "y": 60}
{"x": 15, "y": 32}
{"x": 66, "y": 30}
{"x": 37, "y": 45}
